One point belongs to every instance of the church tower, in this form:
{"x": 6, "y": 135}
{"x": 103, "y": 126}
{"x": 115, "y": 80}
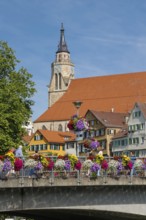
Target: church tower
{"x": 62, "y": 71}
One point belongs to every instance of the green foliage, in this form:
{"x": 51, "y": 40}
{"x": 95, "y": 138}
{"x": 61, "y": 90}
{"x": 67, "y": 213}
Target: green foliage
{"x": 16, "y": 90}
{"x": 4, "y": 216}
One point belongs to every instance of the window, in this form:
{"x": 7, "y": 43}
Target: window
{"x": 38, "y": 137}
{"x": 32, "y": 148}
{"x": 103, "y": 144}
{"x": 70, "y": 145}
{"x": 92, "y": 134}
{"x": 44, "y": 127}
{"x": 54, "y": 147}
{"x": 110, "y": 131}
{"x": 102, "y": 131}
{"x": 60, "y": 84}
{"x": 60, "y": 127}
{"x": 136, "y": 114}
{"x": 97, "y": 133}
{"x": 41, "y": 146}
{"x": 142, "y": 140}
{"x": 92, "y": 122}
{"x": 130, "y": 140}
{"x": 56, "y": 81}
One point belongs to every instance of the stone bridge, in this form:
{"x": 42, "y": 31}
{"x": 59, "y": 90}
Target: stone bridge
{"x": 103, "y": 198}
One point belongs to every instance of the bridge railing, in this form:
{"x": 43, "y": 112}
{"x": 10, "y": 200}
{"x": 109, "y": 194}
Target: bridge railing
{"x": 76, "y": 177}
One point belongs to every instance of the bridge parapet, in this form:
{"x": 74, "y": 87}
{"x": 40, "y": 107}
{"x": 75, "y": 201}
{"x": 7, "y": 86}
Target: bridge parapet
{"x": 78, "y": 179}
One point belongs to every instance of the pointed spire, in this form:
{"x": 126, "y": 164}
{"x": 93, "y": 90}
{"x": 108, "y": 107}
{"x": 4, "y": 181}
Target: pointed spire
{"x": 62, "y": 47}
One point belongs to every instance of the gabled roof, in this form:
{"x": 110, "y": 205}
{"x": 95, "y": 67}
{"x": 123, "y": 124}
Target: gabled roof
{"x": 56, "y": 136}
{"x": 27, "y": 138}
{"x": 110, "y": 119}
{"x": 142, "y": 107}
{"x": 101, "y": 93}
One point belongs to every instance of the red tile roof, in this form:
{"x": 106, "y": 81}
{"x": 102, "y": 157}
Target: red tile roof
{"x": 110, "y": 119}
{"x": 101, "y": 93}
{"x": 57, "y": 136}
{"x": 27, "y": 138}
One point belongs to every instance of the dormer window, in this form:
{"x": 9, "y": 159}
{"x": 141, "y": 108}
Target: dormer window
{"x": 136, "y": 114}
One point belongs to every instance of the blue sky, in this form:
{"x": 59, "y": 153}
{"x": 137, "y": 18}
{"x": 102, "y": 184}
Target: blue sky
{"x": 104, "y": 37}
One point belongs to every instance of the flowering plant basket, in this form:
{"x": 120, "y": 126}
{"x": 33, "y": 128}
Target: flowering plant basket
{"x": 99, "y": 158}
{"x": 43, "y": 161}
{"x": 138, "y": 164}
{"x": 78, "y": 165}
{"x": 59, "y": 165}
{"x": 94, "y": 168}
{"x": 92, "y": 143}
{"x": 87, "y": 164}
{"x": 7, "y": 166}
{"x": 67, "y": 165}
{"x": 126, "y": 162}
{"x": 77, "y": 123}
{"x": 30, "y": 163}
{"x": 38, "y": 166}
{"x": 50, "y": 165}
{"x": 10, "y": 155}
{"x": 73, "y": 160}
{"x": 18, "y": 164}
{"x": 104, "y": 165}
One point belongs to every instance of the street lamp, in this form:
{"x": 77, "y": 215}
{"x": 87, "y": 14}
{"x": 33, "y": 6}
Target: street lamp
{"x": 79, "y": 134}
{"x": 77, "y": 104}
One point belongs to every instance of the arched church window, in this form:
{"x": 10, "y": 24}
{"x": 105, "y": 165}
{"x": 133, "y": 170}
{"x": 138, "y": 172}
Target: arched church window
{"x": 44, "y": 127}
{"x": 60, "y": 84}
{"x": 56, "y": 81}
{"x": 60, "y": 127}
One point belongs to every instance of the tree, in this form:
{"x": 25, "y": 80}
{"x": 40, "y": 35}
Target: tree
{"x": 16, "y": 90}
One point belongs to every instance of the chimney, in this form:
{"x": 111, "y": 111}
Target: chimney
{"x": 112, "y": 109}
{"x": 126, "y": 119}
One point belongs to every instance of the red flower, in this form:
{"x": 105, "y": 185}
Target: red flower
{"x": 130, "y": 165}
{"x": 18, "y": 164}
{"x": 78, "y": 165}
{"x": 104, "y": 165}
{"x": 50, "y": 165}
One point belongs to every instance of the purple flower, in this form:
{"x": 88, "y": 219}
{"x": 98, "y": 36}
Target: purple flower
{"x": 67, "y": 165}
{"x": 119, "y": 167}
{"x": 39, "y": 166}
{"x": 95, "y": 167}
{"x": 80, "y": 125}
{"x": 94, "y": 144}
{"x": 7, "y": 165}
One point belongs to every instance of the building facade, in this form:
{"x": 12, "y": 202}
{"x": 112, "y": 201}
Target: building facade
{"x": 134, "y": 138}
